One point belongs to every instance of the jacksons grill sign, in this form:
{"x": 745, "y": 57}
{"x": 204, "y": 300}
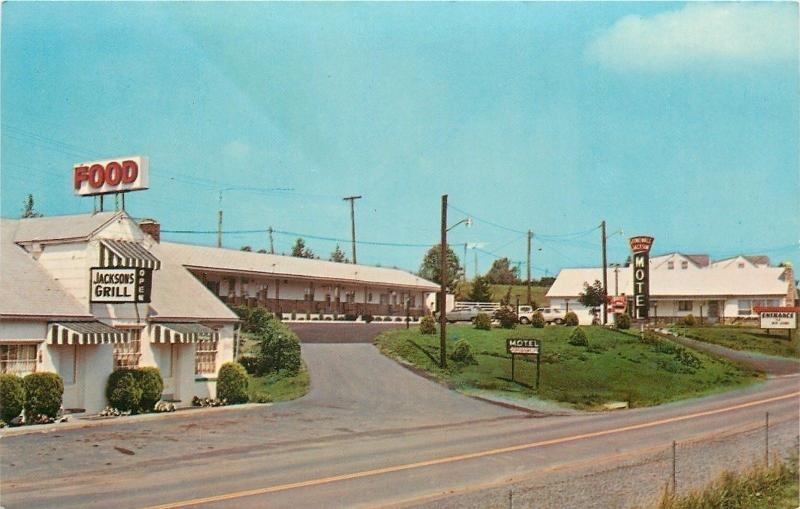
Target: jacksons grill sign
{"x": 641, "y": 275}
{"x": 117, "y": 285}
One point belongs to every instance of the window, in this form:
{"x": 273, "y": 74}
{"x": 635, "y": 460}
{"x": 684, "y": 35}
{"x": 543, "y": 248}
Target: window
{"x": 17, "y": 359}
{"x": 369, "y": 297}
{"x": 413, "y": 301}
{"x": 670, "y": 265}
{"x": 205, "y": 358}
{"x": 741, "y": 265}
{"x": 384, "y": 298}
{"x": 684, "y": 305}
{"x": 684, "y": 265}
{"x": 350, "y": 297}
{"x": 126, "y": 355}
{"x": 745, "y": 307}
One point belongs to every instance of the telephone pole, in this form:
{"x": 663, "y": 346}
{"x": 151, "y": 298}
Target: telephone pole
{"x": 352, "y": 200}
{"x": 219, "y": 221}
{"x": 443, "y": 288}
{"x": 465, "y": 261}
{"x": 605, "y": 275}
{"x": 271, "y": 242}
{"x": 530, "y": 237}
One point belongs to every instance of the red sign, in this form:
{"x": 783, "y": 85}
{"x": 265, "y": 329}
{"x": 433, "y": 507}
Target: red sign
{"x": 618, "y": 303}
{"x": 111, "y": 176}
{"x": 641, "y": 244}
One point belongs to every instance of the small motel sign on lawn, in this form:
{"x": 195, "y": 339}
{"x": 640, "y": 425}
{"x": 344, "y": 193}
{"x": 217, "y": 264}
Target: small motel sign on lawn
{"x": 523, "y": 346}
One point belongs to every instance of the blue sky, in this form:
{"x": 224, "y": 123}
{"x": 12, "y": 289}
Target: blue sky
{"x": 675, "y": 120}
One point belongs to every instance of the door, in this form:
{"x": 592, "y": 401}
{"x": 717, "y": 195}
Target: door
{"x": 68, "y": 364}
{"x": 713, "y": 311}
{"x": 168, "y": 364}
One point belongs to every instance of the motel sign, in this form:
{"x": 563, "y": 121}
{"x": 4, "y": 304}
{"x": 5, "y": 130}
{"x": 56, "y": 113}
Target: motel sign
{"x": 641, "y": 275}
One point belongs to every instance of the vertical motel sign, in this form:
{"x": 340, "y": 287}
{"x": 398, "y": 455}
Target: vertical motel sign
{"x": 641, "y": 275}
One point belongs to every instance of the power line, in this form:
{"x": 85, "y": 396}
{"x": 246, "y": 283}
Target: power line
{"x": 295, "y": 234}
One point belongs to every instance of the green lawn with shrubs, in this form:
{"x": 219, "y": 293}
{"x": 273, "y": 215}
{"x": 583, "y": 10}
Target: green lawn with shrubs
{"x": 278, "y": 386}
{"x": 744, "y": 338}
{"x": 608, "y": 366}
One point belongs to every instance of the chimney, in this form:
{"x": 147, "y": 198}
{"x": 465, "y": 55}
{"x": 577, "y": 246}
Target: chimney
{"x": 788, "y": 276}
{"x": 151, "y": 227}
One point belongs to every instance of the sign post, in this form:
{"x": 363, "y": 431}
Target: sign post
{"x": 778, "y": 317}
{"x": 519, "y": 346}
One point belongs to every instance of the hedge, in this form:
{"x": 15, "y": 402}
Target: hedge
{"x": 123, "y": 391}
{"x": 427, "y": 325}
{"x": 232, "y": 383}
{"x": 43, "y": 395}
{"x": 12, "y": 396}
{"x": 571, "y": 319}
{"x": 151, "y": 384}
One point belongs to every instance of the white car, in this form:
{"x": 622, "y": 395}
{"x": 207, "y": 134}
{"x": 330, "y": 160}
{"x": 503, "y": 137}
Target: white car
{"x": 525, "y": 314}
{"x": 553, "y": 315}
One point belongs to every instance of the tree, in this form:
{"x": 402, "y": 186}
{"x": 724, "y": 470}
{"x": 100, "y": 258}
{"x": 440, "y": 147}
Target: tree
{"x": 430, "y": 268}
{"x": 546, "y": 281}
{"x": 481, "y": 291}
{"x": 338, "y": 255}
{"x": 299, "y": 250}
{"x": 502, "y": 273}
{"x": 27, "y": 208}
{"x": 247, "y": 248}
{"x": 592, "y": 296}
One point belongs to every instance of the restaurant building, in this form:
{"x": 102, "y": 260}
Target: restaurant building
{"x": 723, "y": 291}
{"x": 83, "y": 295}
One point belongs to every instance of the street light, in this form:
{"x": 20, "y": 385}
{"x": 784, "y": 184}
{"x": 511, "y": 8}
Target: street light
{"x": 443, "y": 282}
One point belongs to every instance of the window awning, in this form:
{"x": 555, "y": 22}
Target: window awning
{"x": 84, "y": 333}
{"x": 123, "y": 253}
{"x": 182, "y": 333}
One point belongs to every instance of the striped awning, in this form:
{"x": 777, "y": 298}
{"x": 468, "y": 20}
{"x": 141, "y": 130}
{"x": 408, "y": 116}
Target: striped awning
{"x": 182, "y": 333}
{"x": 123, "y": 253}
{"x": 84, "y": 333}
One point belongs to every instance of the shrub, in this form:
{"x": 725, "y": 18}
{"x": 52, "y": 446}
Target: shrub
{"x": 571, "y": 319}
{"x": 350, "y": 317}
{"x": 151, "y": 384}
{"x": 43, "y": 393}
{"x": 689, "y": 320}
{"x": 232, "y": 383}
{"x": 622, "y": 320}
{"x": 367, "y": 318}
{"x": 387, "y": 318}
{"x": 462, "y": 352}
{"x": 261, "y": 397}
{"x": 12, "y": 396}
{"x": 537, "y": 320}
{"x": 278, "y": 348}
{"x": 507, "y": 317}
{"x": 578, "y": 337}
{"x": 427, "y": 325}
{"x": 123, "y": 391}
{"x": 482, "y": 322}
{"x": 250, "y": 364}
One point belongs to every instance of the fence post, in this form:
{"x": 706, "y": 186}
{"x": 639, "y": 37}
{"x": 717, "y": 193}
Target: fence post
{"x": 674, "y": 472}
{"x": 511, "y": 498}
{"x": 766, "y": 440}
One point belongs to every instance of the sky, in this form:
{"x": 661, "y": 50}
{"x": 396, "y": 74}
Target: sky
{"x": 674, "y": 120}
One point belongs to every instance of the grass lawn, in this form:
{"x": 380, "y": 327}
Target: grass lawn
{"x": 615, "y": 367}
{"x": 277, "y": 387}
{"x": 745, "y": 338}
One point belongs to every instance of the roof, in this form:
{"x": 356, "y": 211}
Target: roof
{"x": 243, "y": 261}
{"x": 707, "y": 282}
{"x": 73, "y": 227}
{"x": 700, "y": 260}
{"x": 26, "y": 289}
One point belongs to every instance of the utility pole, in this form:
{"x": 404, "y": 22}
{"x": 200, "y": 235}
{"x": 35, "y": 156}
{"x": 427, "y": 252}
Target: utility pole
{"x": 219, "y": 222}
{"x": 271, "y": 242}
{"x": 476, "y": 263}
{"x": 443, "y": 288}
{"x": 530, "y": 237}
{"x": 605, "y": 276}
{"x": 465, "y": 261}
{"x": 352, "y": 200}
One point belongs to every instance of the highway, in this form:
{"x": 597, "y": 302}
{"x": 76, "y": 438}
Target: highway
{"x": 370, "y": 433}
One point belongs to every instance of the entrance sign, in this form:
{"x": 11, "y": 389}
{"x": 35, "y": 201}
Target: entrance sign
{"x": 777, "y": 317}
{"x": 641, "y": 275}
{"x": 520, "y": 346}
{"x": 119, "y": 175}
{"x": 120, "y": 285}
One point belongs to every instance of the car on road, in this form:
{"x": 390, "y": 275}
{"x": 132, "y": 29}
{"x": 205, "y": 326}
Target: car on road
{"x": 552, "y": 315}
{"x": 464, "y": 314}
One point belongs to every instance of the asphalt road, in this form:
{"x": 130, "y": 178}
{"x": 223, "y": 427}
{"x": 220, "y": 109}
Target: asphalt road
{"x": 369, "y": 433}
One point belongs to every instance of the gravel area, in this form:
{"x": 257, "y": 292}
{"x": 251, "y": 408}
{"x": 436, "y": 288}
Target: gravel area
{"x": 632, "y": 483}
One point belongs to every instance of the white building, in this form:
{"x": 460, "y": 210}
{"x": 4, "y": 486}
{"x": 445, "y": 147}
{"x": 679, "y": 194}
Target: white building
{"x": 48, "y": 322}
{"x": 680, "y": 284}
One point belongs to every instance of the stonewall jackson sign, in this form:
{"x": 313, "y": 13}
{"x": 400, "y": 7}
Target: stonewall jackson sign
{"x": 119, "y": 285}
{"x": 641, "y": 275}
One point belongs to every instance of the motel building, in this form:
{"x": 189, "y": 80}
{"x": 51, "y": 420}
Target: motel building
{"x": 86, "y": 294}
{"x": 723, "y": 291}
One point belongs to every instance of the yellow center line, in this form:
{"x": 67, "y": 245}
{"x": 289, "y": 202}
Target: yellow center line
{"x": 462, "y": 457}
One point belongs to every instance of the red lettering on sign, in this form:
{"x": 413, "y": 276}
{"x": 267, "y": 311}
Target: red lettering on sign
{"x": 130, "y": 171}
{"x": 81, "y": 175}
{"x": 113, "y": 173}
{"x": 96, "y": 176}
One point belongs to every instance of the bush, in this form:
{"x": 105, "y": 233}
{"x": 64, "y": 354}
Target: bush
{"x": 151, "y": 384}
{"x": 12, "y": 396}
{"x": 482, "y": 321}
{"x": 427, "y": 325}
{"x": 689, "y": 320}
{"x": 250, "y": 364}
{"x": 571, "y": 319}
{"x": 278, "y": 348}
{"x": 43, "y": 393}
{"x": 123, "y": 391}
{"x": 350, "y": 317}
{"x": 537, "y": 320}
{"x": 622, "y": 321}
{"x": 507, "y": 317}
{"x": 232, "y": 383}
{"x": 462, "y": 352}
{"x": 578, "y": 338}
{"x": 367, "y": 318}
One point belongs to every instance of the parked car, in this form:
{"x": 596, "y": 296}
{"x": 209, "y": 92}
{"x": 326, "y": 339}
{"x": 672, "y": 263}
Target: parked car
{"x": 525, "y": 314}
{"x": 466, "y": 314}
{"x": 553, "y": 315}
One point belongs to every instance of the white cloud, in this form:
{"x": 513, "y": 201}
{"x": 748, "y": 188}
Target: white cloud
{"x": 698, "y": 35}
{"x": 237, "y": 149}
